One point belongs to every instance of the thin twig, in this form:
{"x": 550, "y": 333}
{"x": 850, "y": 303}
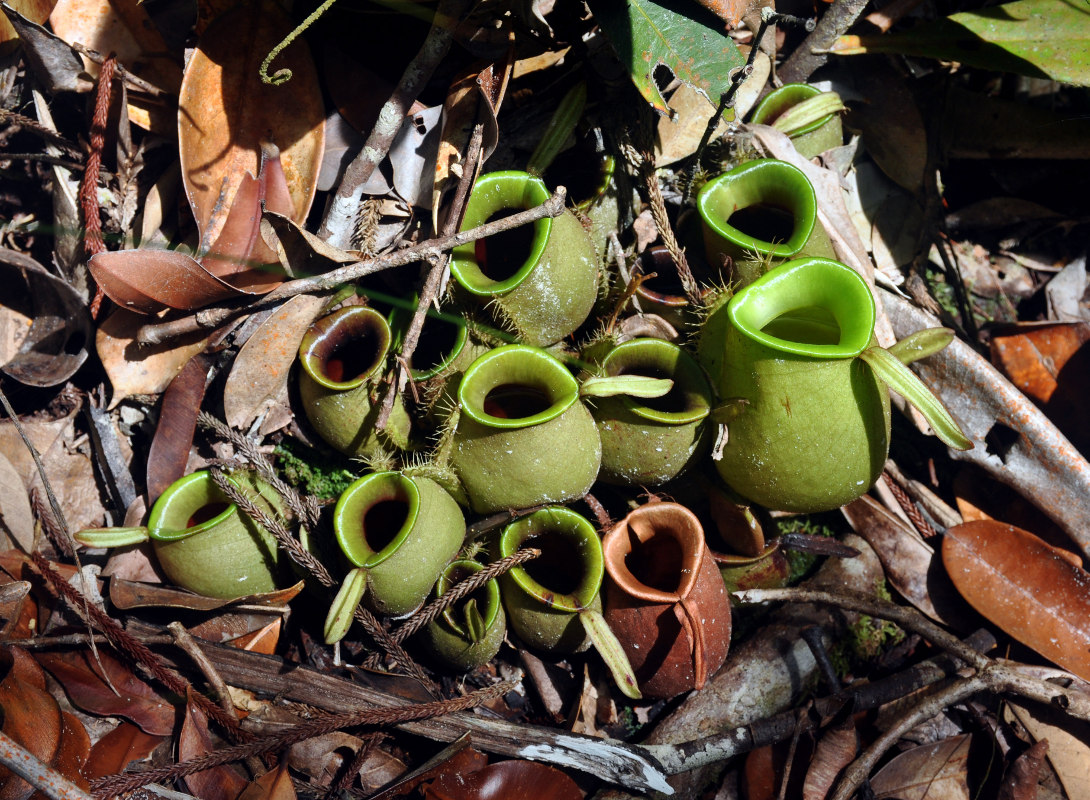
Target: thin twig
{"x": 214, "y": 316}
{"x": 429, "y": 294}
{"x": 41, "y": 776}
{"x": 813, "y": 52}
{"x": 116, "y": 784}
{"x": 134, "y": 81}
{"x": 46, "y": 158}
{"x": 340, "y": 218}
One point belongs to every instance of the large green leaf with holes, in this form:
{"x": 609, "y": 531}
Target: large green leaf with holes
{"x": 677, "y": 34}
{"x": 1039, "y": 38}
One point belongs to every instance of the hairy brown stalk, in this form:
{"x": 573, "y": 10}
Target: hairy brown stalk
{"x": 462, "y": 589}
{"x": 135, "y": 649}
{"x": 88, "y": 185}
{"x": 925, "y": 528}
{"x": 113, "y": 785}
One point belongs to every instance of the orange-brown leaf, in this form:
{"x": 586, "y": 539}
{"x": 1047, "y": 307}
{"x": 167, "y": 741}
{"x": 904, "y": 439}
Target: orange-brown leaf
{"x": 147, "y": 281}
{"x": 226, "y": 113}
{"x": 1022, "y": 585}
{"x": 136, "y": 700}
{"x": 169, "y": 451}
{"x": 31, "y": 717}
{"x": 219, "y": 783}
{"x": 120, "y": 747}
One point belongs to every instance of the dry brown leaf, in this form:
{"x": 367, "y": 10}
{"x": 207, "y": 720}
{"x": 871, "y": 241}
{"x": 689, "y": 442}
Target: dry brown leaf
{"x": 135, "y": 700}
{"x": 835, "y": 750}
{"x": 147, "y": 281}
{"x": 131, "y": 594}
{"x": 1068, "y": 747}
{"x": 123, "y": 27}
{"x": 16, "y": 518}
{"x": 69, "y": 471}
{"x": 260, "y": 372}
{"x": 909, "y": 561}
{"x": 933, "y": 771}
{"x": 273, "y": 785}
{"x": 1019, "y": 583}
{"x": 34, "y": 10}
{"x": 31, "y": 717}
{"x": 219, "y": 783}
{"x": 120, "y": 747}
{"x": 135, "y": 369}
{"x": 262, "y": 640}
{"x": 74, "y": 751}
{"x": 226, "y": 114}
{"x": 169, "y": 452}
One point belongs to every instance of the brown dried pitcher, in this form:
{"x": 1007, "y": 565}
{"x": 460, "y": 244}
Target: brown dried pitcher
{"x": 665, "y": 599}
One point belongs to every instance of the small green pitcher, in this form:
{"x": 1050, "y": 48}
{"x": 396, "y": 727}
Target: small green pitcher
{"x": 399, "y": 532}
{"x": 468, "y": 633}
{"x": 553, "y": 601}
{"x": 342, "y": 355}
{"x": 523, "y": 435}
{"x": 207, "y": 545}
{"x": 763, "y": 211}
{"x": 539, "y": 281}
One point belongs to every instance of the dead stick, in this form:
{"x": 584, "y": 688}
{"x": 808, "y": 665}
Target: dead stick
{"x": 215, "y": 316}
{"x": 813, "y": 52}
{"x": 46, "y": 780}
{"x": 432, "y": 284}
{"x": 340, "y": 218}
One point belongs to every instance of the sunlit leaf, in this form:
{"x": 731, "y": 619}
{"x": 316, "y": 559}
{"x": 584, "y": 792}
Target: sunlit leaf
{"x": 226, "y": 113}
{"x": 691, "y": 43}
{"x": 1021, "y": 584}
{"x": 1039, "y": 38}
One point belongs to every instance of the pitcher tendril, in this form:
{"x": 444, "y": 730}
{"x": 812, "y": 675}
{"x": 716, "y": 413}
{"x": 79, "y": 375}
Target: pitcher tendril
{"x": 284, "y": 75}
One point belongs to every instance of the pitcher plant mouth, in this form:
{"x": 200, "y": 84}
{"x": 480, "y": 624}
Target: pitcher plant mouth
{"x": 810, "y": 307}
{"x": 494, "y": 196}
{"x": 732, "y": 203}
{"x": 687, "y": 401}
{"x": 391, "y": 504}
{"x": 193, "y": 505}
{"x": 516, "y": 386}
{"x": 568, "y": 573}
{"x": 343, "y": 349}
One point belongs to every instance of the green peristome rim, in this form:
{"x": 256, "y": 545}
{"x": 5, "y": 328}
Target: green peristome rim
{"x": 343, "y": 325}
{"x": 181, "y": 501}
{"x": 675, "y": 364}
{"x": 792, "y": 291}
{"x": 509, "y": 190}
{"x": 352, "y": 505}
{"x": 764, "y": 180}
{"x": 444, "y": 585}
{"x": 777, "y": 102}
{"x": 518, "y": 365}
{"x": 572, "y": 526}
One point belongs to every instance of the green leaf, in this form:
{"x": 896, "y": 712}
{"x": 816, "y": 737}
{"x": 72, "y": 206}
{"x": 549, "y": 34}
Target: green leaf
{"x": 903, "y": 381}
{"x": 1039, "y": 38}
{"x": 690, "y": 42}
{"x": 921, "y": 344}
{"x": 339, "y": 618}
{"x": 112, "y": 537}
{"x": 605, "y": 642}
{"x": 631, "y": 385}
